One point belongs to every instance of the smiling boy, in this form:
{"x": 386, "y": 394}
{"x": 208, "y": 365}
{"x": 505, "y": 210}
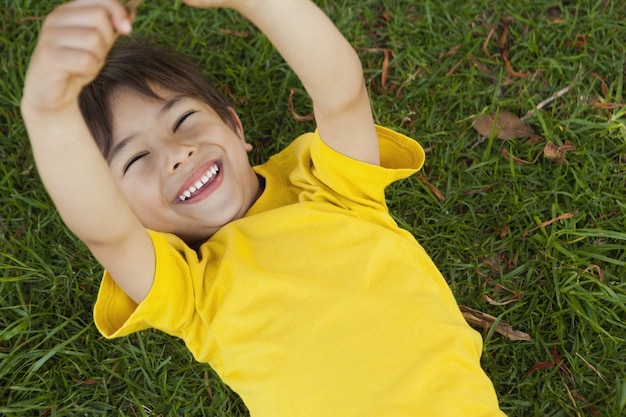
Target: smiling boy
{"x": 290, "y": 279}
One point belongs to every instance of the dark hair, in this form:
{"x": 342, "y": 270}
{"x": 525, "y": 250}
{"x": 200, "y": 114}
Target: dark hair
{"x": 140, "y": 65}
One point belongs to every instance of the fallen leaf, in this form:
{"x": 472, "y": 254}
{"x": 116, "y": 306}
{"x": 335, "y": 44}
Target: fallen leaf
{"x": 388, "y": 53}
{"x": 487, "y": 321}
{"x": 519, "y": 161}
{"x": 557, "y": 360}
{"x": 29, "y": 19}
{"x": 515, "y": 296}
{"x": 478, "y": 65}
{"x": 484, "y": 47}
{"x": 238, "y": 33}
{"x": 557, "y": 153}
{"x": 549, "y": 222}
{"x": 603, "y": 86}
{"x": 504, "y": 36}
{"x": 451, "y": 52}
{"x": 480, "y": 190}
{"x": 295, "y": 115}
{"x": 86, "y": 381}
{"x": 609, "y": 105}
{"x": 385, "y": 71}
{"x": 579, "y": 41}
{"x": 454, "y": 67}
{"x": 432, "y": 188}
{"x": 504, "y": 125}
{"x": 131, "y": 8}
{"x": 509, "y": 68}
{"x": 597, "y": 269}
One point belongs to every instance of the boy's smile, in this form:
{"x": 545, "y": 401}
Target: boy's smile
{"x": 182, "y": 168}
{"x": 201, "y": 184}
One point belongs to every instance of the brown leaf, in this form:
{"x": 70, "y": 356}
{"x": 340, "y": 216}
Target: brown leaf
{"x": 480, "y": 190}
{"x": 557, "y": 153}
{"x": 385, "y": 71}
{"x": 549, "y": 222}
{"x": 603, "y": 86}
{"x": 238, "y": 33}
{"x": 295, "y": 115}
{"x": 484, "y": 47}
{"x": 478, "y": 65}
{"x": 451, "y": 52}
{"x": 432, "y": 188}
{"x": 515, "y": 159}
{"x": 387, "y": 55}
{"x": 597, "y": 269}
{"x": 487, "y": 321}
{"x": 509, "y": 67}
{"x": 454, "y": 67}
{"x": 86, "y": 381}
{"x": 131, "y": 8}
{"x": 504, "y": 125}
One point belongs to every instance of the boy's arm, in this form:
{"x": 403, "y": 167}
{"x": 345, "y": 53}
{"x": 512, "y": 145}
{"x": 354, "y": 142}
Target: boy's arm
{"x": 327, "y": 65}
{"x": 73, "y": 44}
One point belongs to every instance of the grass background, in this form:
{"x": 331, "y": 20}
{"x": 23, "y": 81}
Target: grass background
{"x": 562, "y": 283}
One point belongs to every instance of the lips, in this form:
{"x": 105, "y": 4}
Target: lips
{"x": 200, "y": 182}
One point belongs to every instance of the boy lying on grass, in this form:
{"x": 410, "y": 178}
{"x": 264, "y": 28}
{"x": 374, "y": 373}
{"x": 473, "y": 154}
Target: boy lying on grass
{"x": 289, "y": 278}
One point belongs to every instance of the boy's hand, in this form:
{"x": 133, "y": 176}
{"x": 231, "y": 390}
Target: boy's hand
{"x": 73, "y": 44}
{"x": 327, "y": 65}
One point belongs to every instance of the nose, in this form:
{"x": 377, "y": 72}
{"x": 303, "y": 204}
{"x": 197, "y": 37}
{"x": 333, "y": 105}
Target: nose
{"x": 178, "y": 156}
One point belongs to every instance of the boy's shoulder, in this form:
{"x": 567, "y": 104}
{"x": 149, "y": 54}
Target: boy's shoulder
{"x": 397, "y": 151}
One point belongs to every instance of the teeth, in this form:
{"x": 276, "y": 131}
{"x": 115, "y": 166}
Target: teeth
{"x": 199, "y": 184}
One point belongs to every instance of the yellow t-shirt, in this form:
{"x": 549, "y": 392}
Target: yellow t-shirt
{"x": 316, "y": 303}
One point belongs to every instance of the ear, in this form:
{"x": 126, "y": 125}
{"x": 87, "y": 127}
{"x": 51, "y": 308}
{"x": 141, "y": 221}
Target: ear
{"x": 238, "y": 128}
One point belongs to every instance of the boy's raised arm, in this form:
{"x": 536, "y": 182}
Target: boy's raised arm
{"x": 73, "y": 44}
{"x": 326, "y": 64}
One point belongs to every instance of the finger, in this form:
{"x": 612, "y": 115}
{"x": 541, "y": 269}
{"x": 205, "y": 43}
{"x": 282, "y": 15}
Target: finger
{"x": 80, "y": 27}
{"x": 116, "y": 13}
{"x": 86, "y": 40}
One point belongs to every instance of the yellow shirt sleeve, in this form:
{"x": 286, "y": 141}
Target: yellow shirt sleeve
{"x": 116, "y": 314}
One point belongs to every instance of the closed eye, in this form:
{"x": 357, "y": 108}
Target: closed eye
{"x": 180, "y": 121}
{"x": 134, "y": 159}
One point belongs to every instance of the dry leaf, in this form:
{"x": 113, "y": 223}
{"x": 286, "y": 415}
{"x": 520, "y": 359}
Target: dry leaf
{"x": 504, "y": 125}
{"x": 557, "y": 153}
{"x": 238, "y": 33}
{"x": 597, "y": 269}
{"x": 480, "y": 190}
{"x": 295, "y": 115}
{"x": 484, "y": 47}
{"x": 478, "y": 65}
{"x": 432, "y": 188}
{"x": 563, "y": 216}
{"x": 486, "y": 321}
{"x": 451, "y": 52}
{"x": 388, "y": 54}
{"x": 515, "y": 159}
{"x": 509, "y": 68}
{"x": 131, "y": 8}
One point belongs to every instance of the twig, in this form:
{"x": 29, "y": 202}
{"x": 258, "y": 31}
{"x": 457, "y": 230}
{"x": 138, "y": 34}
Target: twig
{"x": 131, "y": 7}
{"x": 531, "y": 113}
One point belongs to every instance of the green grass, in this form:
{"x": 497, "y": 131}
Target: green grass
{"x": 568, "y": 276}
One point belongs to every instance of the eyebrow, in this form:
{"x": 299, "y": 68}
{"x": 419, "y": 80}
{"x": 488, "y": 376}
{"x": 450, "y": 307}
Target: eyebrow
{"x": 117, "y": 149}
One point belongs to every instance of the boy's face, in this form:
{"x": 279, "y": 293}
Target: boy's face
{"x": 182, "y": 169}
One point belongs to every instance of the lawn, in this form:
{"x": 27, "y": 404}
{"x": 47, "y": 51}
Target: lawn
{"x": 530, "y": 231}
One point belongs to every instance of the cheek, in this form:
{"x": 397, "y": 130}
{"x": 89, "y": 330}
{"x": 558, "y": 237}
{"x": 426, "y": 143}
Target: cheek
{"x": 144, "y": 199}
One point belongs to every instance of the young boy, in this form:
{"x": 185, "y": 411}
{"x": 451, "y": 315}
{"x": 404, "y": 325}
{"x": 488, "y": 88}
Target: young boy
{"x": 290, "y": 279}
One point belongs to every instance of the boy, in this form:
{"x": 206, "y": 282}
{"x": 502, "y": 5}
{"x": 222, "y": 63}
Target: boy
{"x": 290, "y": 279}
